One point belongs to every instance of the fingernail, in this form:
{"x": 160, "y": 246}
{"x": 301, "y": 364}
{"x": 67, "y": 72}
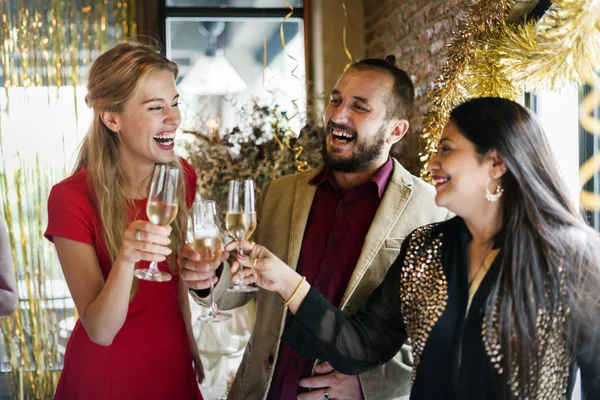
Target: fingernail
{"x": 241, "y": 256}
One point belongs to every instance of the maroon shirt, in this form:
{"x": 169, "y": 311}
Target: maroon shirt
{"x": 335, "y": 232}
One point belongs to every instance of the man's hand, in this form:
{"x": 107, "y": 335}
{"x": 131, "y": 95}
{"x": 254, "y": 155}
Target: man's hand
{"x": 197, "y": 274}
{"x": 338, "y": 386}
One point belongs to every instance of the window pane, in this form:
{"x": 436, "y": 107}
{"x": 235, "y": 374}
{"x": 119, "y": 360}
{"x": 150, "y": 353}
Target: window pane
{"x": 226, "y": 64}
{"x": 558, "y": 114}
{"x": 235, "y": 3}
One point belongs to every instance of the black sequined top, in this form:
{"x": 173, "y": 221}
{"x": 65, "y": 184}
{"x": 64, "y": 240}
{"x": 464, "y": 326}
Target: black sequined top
{"x": 424, "y": 297}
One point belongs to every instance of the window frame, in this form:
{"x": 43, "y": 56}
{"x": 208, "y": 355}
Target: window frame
{"x": 165, "y": 12}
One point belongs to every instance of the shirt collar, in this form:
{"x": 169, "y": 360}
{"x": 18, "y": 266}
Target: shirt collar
{"x": 381, "y": 177}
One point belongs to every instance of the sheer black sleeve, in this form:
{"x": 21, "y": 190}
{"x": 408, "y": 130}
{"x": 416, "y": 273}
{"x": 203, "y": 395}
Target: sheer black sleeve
{"x": 589, "y": 367}
{"x": 357, "y": 343}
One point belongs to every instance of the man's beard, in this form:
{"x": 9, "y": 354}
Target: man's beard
{"x": 362, "y": 156}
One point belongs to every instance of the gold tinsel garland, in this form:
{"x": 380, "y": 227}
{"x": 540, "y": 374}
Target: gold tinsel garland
{"x": 561, "y": 49}
{"x": 449, "y": 90}
{"x": 488, "y": 57}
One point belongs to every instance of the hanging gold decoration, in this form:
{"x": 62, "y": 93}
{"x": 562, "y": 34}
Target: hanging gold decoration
{"x": 488, "y": 57}
{"x": 344, "y": 37}
{"x": 561, "y": 49}
{"x": 485, "y": 78}
{"x": 298, "y": 149}
{"x": 449, "y": 89}
{"x": 590, "y": 123}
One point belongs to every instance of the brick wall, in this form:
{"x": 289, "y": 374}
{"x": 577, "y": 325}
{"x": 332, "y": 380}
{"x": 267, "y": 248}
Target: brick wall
{"x": 416, "y": 32}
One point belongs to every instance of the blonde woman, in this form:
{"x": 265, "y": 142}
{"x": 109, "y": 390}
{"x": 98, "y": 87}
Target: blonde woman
{"x": 133, "y": 338}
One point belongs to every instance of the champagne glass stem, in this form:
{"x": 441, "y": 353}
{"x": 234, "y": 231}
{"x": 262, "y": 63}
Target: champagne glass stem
{"x": 153, "y": 268}
{"x": 239, "y": 280}
{"x": 213, "y": 303}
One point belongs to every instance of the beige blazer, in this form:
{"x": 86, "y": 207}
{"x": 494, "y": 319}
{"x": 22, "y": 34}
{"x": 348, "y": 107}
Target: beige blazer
{"x": 284, "y": 207}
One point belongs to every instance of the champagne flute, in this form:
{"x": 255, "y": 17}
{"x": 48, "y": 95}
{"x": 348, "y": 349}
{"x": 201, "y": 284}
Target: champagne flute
{"x": 209, "y": 244}
{"x": 240, "y": 219}
{"x": 161, "y": 210}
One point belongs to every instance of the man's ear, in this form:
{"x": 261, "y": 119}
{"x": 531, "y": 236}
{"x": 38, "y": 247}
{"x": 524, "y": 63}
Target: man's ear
{"x": 109, "y": 118}
{"x": 498, "y": 167}
{"x": 400, "y": 128}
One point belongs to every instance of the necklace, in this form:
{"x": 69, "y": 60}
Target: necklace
{"x": 480, "y": 274}
{"x": 487, "y": 249}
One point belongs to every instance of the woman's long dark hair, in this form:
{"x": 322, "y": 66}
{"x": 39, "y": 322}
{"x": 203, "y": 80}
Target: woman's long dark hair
{"x": 550, "y": 257}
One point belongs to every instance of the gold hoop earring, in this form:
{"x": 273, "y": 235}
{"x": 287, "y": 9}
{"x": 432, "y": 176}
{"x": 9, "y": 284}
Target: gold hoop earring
{"x": 492, "y": 197}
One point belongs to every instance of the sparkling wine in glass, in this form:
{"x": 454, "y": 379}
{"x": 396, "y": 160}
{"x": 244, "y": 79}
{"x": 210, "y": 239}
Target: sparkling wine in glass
{"x": 209, "y": 244}
{"x": 161, "y": 210}
{"x": 240, "y": 219}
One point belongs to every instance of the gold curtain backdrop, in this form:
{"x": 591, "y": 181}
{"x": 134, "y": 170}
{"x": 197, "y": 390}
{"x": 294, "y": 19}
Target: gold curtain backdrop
{"x": 45, "y": 50}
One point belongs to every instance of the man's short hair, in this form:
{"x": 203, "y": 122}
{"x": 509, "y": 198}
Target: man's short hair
{"x": 403, "y": 91}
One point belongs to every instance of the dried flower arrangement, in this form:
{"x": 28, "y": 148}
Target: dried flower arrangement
{"x": 260, "y": 146}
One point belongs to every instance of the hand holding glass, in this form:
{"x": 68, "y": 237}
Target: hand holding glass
{"x": 241, "y": 219}
{"x": 161, "y": 210}
{"x": 209, "y": 244}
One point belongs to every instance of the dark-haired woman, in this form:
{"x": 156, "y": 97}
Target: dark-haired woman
{"x": 500, "y": 302}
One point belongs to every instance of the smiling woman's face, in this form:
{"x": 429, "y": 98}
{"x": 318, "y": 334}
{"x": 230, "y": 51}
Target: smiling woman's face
{"x": 149, "y": 120}
{"x": 459, "y": 173}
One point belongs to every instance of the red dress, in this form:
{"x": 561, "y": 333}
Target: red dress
{"x": 150, "y": 357}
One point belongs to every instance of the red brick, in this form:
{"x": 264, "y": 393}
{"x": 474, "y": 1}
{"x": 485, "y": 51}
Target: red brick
{"x": 421, "y": 57}
{"x": 392, "y": 7}
{"x": 425, "y": 36}
{"x": 410, "y": 9}
{"x": 444, "y": 25}
{"x": 437, "y": 46}
{"x": 424, "y": 3}
{"x": 416, "y": 32}
{"x": 454, "y": 3}
{"x": 435, "y": 11}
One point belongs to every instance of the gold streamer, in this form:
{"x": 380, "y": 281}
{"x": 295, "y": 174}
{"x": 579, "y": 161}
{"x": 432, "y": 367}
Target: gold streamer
{"x": 297, "y": 150}
{"x": 274, "y": 123}
{"x": 588, "y": 170}
{"x": 344, "y": 40}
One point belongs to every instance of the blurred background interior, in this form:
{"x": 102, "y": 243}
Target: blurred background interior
{"x": 254, "y": 77}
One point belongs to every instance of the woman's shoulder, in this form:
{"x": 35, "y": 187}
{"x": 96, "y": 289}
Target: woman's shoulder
{"x": 73, "y": 188}
{"x": 428, "y": 232}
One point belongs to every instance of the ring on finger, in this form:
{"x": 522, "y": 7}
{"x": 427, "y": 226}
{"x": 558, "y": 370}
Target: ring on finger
{"x": 252, "y": 244}
{"x": 254, "y": 262}
{"x": 138, "y": 235}
{"x": 326, "y": 395}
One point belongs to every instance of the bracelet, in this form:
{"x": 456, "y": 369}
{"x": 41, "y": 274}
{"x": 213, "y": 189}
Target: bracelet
{"x": 288, "y": 301}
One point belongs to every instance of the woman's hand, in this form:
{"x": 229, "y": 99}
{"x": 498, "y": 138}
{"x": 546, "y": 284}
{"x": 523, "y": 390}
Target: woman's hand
{"x": 197, "y": 274}
{"x": 261, "y": 267}
{"x": 198, "y": 368}
{"x": 145, "y": 241}
{"x": 269, "y": 272}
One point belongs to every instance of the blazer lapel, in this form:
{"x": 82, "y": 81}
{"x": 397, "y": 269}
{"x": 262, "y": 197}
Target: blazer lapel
{"x": 392, "y": 204}
{"x": 303, "y": 198}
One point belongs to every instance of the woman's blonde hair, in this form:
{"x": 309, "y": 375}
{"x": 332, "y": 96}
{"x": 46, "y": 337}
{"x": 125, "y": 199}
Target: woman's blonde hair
{"x": 112, "y": 81}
